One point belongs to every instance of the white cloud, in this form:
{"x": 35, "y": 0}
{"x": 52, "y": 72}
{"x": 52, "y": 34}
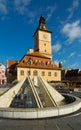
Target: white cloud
{"x": 56, "y": 47}
{"x": 79, "y": 55}
{"x": 74, "y": 66}
{"x": 63, "y": 61}
{"x": 22, "y": 2}
{"x": 72, "y": 9}
{"x": 3, "y": 7}
{"x": 21, "y": 5}
{"x": 50, "y": 11}
{"x": 56, "y": 62}
{"x": 72, "y": 30}
{"x": 71, "y": 55}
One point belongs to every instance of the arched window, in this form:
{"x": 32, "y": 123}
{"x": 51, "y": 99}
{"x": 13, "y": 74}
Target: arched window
{"x": 22, "y": 72}
{"x": 49, "y": 73}
{"x": 43, "y": 73}
{"x": 28, "y": 72}
{"x": 35, "y": 72}
{"x": 44, "y": 44}
{"x": 55, "y": 74}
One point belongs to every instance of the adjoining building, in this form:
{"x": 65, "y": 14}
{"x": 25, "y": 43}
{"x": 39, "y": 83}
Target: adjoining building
{"x": 2, "y": 74}
{"x": 72, "y": 77}
{"x": 37, "y": 62}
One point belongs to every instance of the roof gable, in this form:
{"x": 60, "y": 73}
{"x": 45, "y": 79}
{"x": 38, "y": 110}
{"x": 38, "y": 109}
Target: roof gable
{"x": 36, "y": 60}
{"x": 11, "y": 63}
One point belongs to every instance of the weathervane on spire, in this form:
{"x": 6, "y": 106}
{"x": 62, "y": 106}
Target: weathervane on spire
{"x": 42, "y": 20}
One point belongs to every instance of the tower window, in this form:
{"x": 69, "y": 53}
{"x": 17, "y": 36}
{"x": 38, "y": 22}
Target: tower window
{"x": 45, "y": 50}
{"x": 44, "y": 44}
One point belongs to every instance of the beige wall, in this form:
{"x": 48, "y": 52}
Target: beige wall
{"x": 45, "y": 43}
{"x": 42, "y": 42}
{"x": 44, "y": 36}
{"x": 46, "y": 77}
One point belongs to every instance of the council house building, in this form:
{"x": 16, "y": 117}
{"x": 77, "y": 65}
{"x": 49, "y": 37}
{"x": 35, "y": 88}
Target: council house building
{"x": 38, "y": 61}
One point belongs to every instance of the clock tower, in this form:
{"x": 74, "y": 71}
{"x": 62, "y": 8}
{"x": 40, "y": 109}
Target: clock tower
{"x": 42, "y": 39}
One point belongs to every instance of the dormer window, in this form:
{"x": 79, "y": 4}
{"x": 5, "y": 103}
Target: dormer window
{"x": 28, "y": 61}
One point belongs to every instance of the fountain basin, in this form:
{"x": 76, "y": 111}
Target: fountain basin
{"x": 36, "y": 113}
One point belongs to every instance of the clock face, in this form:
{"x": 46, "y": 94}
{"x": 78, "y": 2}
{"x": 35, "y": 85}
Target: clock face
{"x": 44, "y": 36}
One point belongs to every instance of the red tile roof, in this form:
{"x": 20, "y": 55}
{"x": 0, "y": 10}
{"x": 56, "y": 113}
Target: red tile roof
{"x": 11, "y": 63}
{"x": 34, "y": 60}
{"x": 37, "y": 54}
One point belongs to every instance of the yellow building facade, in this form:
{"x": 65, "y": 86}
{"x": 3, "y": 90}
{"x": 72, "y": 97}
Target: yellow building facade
{"x": 48, "y": 75}
{"x": 38, "y": 62}
{"x": 35, "y": 64}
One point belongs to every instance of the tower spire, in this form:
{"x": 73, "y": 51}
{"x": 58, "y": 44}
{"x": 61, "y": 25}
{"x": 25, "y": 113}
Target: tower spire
{"x": 42, "y": 20}
{"x": 42, "y": 24}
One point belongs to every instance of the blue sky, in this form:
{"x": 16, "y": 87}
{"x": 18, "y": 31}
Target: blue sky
{"x": 19, "y": 20}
